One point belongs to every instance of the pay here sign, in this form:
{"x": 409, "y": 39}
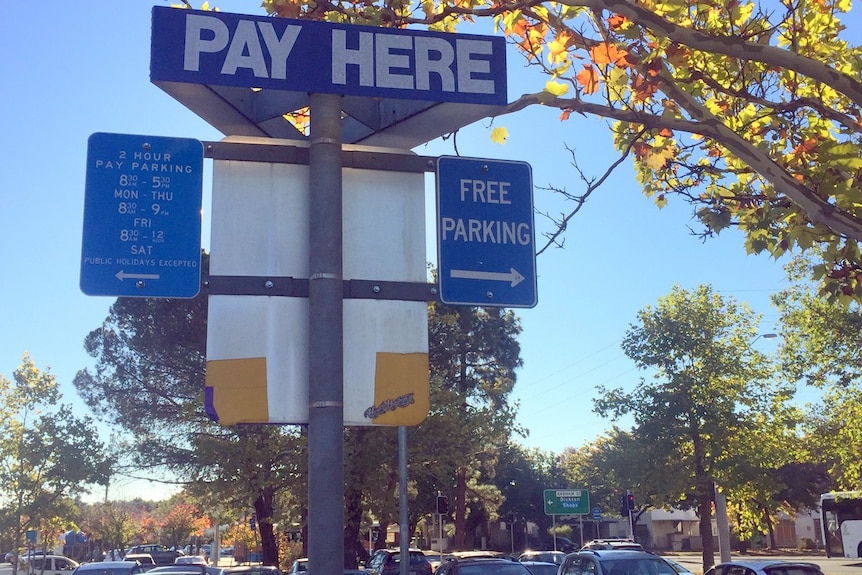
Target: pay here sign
{"x": 310, "y": 56}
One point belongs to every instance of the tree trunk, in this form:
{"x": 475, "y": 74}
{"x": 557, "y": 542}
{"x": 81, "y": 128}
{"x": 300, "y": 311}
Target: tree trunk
{"x": 770, "y": 527}
{"x": 354, "y": 550}
{"x": 380, "y": 542}
{"x": 263, "y": 508}
{"x": 461, "y": 508}
{"x": 704, "y": 510}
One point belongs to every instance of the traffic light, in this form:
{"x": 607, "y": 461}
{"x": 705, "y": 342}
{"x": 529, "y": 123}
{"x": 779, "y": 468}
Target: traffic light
{"x": 442, "y": 505}
{"x": 624, "y": 505}
{"x": 510, "y": 518}
{"x": 630, "y": 501}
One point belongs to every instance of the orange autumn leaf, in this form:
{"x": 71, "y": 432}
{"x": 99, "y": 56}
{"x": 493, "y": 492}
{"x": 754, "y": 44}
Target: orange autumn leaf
{"x": 616, "y": 21}
{"x": 666, "y": 132}
{"x": 643, "y": 88}
{"x": 588, "y": 79}
{"x": 557, "y": 49}
{"x": 805, "y": 147}
{"x": 564, "y": 115}
{"x": 605, "y": 53}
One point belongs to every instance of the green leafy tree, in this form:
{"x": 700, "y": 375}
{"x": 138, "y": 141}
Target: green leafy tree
{"x": 473, "y": 354}
{"x": 820, "y": 349}
{"x": 46, "y": 451}
{"x": 113, "y": 523}
{"x": 708, "y": 387}
{"x": 619, "y": 461}
{"x": 522, "y": 475}
{"x": 149, "y": 383}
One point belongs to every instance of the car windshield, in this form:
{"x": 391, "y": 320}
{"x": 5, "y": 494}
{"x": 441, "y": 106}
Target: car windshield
{"x": 647, "y": 566}
{"x": 542, "y": 568}
{"x": 106, "y": 570}
{"x": 792, "y": 570}
{"x": 494, "y": 568}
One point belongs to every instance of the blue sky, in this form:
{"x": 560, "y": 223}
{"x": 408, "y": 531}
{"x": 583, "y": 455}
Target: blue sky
{"x": 83, "y": 69}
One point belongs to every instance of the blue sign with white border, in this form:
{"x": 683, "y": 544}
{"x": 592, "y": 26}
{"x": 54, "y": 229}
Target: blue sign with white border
{"x": 218, "y": 48}
{"x": 485, "y": 232}
{"x": 142, "y": 216}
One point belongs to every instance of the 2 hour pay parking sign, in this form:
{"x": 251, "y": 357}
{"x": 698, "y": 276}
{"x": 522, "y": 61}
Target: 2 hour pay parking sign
{"x": 485, "y": 232}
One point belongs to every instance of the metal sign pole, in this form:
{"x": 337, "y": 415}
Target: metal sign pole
{"x": 325, "y": 316}
{"x": 403, "y": 512}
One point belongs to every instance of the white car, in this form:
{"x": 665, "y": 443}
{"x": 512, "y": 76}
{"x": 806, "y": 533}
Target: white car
{"x": 765, "y": 567}
{"x": 191, "y": 560}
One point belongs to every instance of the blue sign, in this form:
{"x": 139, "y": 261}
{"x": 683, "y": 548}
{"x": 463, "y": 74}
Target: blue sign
{"x": 485, "y": 234}
{"x": 216, "y": 48}
{"x": 142, "y": 216}
{"x": 597, "y": 513}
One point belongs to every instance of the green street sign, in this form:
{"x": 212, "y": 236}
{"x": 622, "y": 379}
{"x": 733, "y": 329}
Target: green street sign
{"x": 567, "y": 502}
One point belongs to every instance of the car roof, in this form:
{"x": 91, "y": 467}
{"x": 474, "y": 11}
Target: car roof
{"x": 608, "y": 553}
{"x": 251, "y": 569}
{"x": 106, "y": 566}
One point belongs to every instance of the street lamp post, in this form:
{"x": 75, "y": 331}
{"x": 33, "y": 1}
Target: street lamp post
{"x": 721, "y": 521}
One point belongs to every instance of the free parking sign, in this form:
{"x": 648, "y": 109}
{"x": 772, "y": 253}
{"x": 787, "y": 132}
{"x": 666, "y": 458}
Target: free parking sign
{"x": 485, "y": 232}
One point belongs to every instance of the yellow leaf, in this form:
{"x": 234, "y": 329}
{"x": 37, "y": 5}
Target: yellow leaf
{"x": 205, "y": 5}
{"x": 556, "y": 88}
{"x": 499, "y": 135}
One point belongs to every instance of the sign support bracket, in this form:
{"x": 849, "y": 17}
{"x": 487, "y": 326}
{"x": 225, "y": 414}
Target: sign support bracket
{"x": 288, "y": 286}
{"x": 299, "y": 155}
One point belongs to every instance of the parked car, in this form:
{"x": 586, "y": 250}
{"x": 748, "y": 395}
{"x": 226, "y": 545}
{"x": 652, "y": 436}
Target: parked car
{"x": 186, "y": 569}
{"x": 191, "y": 560}
{"x": 47, "y": 564}
{"x": 251, "y": 570}
{"x": 387, "y": 562}
{"x": 109, "y": 568}
{"x": 680, "y": 569}
{"x": 541, "y": 567}
{"x": 613, "y": 544}
{"x": 145, "y": 560}
{"x": 558, "y": 543}
{"x": 614, "y": 562}
{"x": 482, "y": 566}
{"x": 299, "y": 567}
{"x": 765, "y": 567}
{"x": 555, "y": 557}
{"x": 161, "y": 554}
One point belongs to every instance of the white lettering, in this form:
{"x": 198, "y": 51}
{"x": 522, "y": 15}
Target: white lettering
{"x": 245, "y": 51}
{"x": 385, "y": 61}
{"x": 442, "y": 66}
{"x": 485, "y": 192}
{"x": 196, "y": 44}
{"x": 467, "y": 66}
{"x": 362, "y": 57}
{"x": 486, "y": 231}
{"x": 279, "y": 49}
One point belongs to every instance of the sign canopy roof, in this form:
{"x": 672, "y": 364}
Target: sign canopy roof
{"x": 384, "y": 122}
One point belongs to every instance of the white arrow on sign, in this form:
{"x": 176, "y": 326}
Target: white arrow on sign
{"x": 121, "y": 275}
{"x": 513, "y": 276}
